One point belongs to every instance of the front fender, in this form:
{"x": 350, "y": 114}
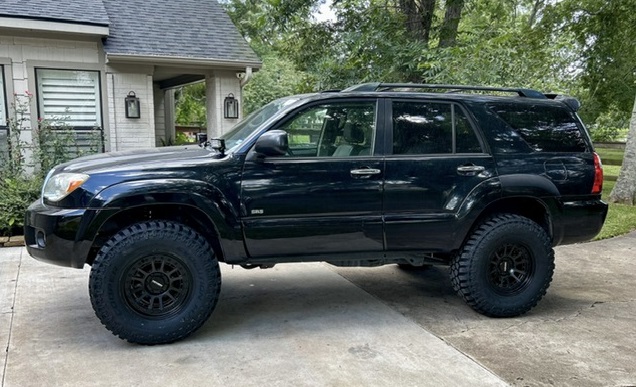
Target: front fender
{"x": 222, "y": 211}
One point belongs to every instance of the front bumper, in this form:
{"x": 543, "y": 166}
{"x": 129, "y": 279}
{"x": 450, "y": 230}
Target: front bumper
{"x": 53, "y": 235}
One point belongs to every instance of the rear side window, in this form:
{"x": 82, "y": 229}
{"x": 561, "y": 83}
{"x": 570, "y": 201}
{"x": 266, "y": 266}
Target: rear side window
{"x": 543, "y": 128}
{"x": 432, "y": 128}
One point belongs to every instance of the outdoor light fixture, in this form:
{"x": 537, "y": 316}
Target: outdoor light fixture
{"x": 132, "y": 105}
{"x": 230, "y": 107}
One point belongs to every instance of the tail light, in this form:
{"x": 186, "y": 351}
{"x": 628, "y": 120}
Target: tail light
{"x": 597, "y": 187}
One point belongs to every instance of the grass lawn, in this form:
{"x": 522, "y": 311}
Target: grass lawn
{"x": 610, "y": 156}
{"x": 621, "y": 218}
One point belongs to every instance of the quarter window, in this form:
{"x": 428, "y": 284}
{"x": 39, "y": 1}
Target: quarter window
{"x": 333, "y": 130}
{"x": 432, "y": 128}
{"x": 543, "y": 128}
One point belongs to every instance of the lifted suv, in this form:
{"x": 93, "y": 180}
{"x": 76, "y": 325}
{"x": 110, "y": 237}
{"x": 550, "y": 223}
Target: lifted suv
{"x": 473, "y": 178}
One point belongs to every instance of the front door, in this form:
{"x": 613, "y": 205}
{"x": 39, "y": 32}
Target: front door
{"x": 325, "y": 195}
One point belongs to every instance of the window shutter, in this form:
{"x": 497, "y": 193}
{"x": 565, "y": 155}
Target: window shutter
{"x": 69, "y": 98}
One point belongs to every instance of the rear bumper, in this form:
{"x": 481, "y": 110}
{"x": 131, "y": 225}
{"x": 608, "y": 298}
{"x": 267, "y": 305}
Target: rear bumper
{"x": 579, "y": 221}
{"x": 51, "y": 235}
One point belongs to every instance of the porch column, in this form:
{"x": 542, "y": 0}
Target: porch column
{"x": 169, "y": 114}
{"x": 213, "y": 106}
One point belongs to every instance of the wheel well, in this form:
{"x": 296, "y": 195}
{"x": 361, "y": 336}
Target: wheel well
{"x": 530, "y": 208}
{"x": 184, "y": 214}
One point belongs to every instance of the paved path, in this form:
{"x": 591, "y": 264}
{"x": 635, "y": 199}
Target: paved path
{"x": 317, "y": 325}
{"x": 294, "y": 325}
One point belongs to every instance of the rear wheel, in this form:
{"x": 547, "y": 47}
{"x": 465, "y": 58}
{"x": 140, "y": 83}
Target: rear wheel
{"x": 505, "y": 267}
{"x": 154, "y": 282}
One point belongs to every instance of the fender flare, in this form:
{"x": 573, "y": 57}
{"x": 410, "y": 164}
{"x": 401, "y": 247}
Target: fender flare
{"x": 223, "y": 212}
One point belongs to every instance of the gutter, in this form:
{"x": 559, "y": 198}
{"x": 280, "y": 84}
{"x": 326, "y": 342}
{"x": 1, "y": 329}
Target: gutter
{"x": 182, "y": 60}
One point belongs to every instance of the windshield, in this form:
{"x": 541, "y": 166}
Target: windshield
{"x": 243, "y": 129}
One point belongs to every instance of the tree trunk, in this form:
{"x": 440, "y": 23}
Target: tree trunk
{"x": 428, "y": 10}
{"x": 419, "y": 17}
{"x": 625, "y": 189}
{"x": 448, "y": 32}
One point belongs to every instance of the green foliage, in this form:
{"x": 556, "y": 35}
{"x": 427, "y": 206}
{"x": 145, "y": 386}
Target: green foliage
{"x": 16, "y": 193}
{"x": 190, "y": 105}
{"x": 610, "y": 125}
{"x": 278, "y": 78}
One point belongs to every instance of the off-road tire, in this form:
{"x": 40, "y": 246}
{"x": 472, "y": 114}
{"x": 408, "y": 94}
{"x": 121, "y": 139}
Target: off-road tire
{"x": 155, "y": 282}
{"x": 505, "y": 267}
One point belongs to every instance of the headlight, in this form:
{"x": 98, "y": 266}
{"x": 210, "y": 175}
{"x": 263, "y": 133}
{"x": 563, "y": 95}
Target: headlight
{"x": 58, "y": 186}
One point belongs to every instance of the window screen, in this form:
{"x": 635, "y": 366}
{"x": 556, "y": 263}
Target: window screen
{"x": 543, "y": 128}
{"x": 69, "y": 97}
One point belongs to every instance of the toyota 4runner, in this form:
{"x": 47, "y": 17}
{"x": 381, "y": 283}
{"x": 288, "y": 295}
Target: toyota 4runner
{"x": 484, "y": 180}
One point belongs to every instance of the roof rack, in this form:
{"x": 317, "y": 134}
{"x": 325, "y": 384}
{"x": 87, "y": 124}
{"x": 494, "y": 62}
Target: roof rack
{"x": 528, "y": 93}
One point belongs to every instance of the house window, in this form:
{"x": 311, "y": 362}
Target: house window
{"x": 69, "y": 98}
{"x": 69, "y": 101}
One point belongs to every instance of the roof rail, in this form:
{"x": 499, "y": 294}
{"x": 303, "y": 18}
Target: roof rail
{"x": 528, "y": 93}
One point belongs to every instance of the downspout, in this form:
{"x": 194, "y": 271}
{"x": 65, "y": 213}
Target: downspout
{"x": 248, "y": 76}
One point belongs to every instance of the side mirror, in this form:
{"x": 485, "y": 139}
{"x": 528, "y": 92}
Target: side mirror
{"x": 272, "y": 143}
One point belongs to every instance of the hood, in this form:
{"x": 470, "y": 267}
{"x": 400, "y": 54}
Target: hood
{"x": 139, "y": 160}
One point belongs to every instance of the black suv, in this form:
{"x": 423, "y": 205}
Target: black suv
{"x": 484, "y": 180}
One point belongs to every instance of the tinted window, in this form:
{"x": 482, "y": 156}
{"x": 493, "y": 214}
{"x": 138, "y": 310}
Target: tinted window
{"x": 333, "y": 130}
{"x": 543, "y": 128}
{"x": 427, "y": 128}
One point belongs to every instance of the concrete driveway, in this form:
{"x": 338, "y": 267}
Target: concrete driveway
{"x": 317, "y": 325}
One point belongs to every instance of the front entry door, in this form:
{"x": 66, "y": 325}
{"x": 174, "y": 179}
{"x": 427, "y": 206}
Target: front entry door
{"x": 325, "y": 196}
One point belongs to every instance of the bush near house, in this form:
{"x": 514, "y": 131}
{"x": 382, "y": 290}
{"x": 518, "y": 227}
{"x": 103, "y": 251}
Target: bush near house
{"x": 20, "y": 181}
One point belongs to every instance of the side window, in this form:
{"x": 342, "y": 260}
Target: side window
{"x": 333, "y": 130}
{"x": 543, "y": 128}
{"x": 466, "y": 139}
{"x": 430, "y": 127}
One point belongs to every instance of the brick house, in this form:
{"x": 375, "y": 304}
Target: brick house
{"x": 81, "y": 58}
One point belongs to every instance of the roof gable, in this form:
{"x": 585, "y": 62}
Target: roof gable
{"x": 186, "y": 29}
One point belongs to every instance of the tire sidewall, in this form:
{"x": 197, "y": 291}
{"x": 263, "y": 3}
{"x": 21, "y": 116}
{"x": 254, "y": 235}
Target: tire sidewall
{"x": 111, "y": 268}
{"x": 541, "y": 265}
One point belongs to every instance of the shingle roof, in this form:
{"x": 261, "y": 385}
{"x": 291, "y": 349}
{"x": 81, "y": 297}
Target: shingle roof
{"x": 165, "y": 28}
{"x": 184, "y": 28}
{"x": 69, "y": 11}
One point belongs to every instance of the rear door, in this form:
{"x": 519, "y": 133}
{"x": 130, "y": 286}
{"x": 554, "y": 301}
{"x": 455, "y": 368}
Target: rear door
{"x": 325, "y": 196}
{"x": 435, "y": 160}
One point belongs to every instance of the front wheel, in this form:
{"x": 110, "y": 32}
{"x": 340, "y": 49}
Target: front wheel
{"x": 155, "y": 282}
{"x": 505, "y": 267}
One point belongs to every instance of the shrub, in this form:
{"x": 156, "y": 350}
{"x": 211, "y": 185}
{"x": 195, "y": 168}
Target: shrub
{"x": 16, "y": 193}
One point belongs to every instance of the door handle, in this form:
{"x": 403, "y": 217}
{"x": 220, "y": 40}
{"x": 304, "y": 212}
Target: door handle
{"x": 364, "y": 173}
{"x": 470, "y": 169}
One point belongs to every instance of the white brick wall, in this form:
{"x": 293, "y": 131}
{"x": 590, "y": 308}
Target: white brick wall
{"x": 218, "y": 86}
{"x": 131, "y": 133}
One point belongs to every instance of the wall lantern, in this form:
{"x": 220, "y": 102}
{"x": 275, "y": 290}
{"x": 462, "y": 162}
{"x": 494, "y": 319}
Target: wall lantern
{"x": 230, "y": 107}
{"x": 132, "y": 105}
